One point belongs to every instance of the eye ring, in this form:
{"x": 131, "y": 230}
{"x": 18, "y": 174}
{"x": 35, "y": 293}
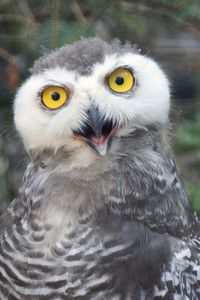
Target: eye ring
{"x": 53, "y": 97}
{"x": 121, "y": 80}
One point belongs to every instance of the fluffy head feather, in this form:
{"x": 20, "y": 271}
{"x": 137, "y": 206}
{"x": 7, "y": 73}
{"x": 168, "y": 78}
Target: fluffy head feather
{"x": 83, "y": 68}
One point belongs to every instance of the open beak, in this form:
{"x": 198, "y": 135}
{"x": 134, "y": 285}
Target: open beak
{"x": 96, "y": 132}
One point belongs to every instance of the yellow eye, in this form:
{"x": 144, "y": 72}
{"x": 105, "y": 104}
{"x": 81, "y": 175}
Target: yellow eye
{"x": 121, "y": 80}
{"x": 54, "y": 97}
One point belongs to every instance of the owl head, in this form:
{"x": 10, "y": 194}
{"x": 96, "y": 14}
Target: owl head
{"x": 85, "y": 94}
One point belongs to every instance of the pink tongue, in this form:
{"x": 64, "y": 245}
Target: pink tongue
{"x": 99, "y": 141}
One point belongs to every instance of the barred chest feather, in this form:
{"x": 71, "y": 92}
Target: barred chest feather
{"x": 105, "y": 232}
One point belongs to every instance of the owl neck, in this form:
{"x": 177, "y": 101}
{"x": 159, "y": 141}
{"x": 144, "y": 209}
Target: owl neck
{"x": 136, "y": 180}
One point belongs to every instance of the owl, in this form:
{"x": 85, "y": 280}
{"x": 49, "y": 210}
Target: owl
{"x": 101, "y": 213}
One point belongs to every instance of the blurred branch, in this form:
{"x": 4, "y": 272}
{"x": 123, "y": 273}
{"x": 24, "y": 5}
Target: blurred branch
{"x": 8, "y": 37}
{"x": 188, "y": 26}
{"x": 167, "y": 5}
{"x": 54, "y": 28}
{"x": 4, "y": 2}
{"x": 26, "y": 10}
{"x": 7, "y": 56}
{"x": 16, "y": 18}
{"x": 162, "y": 9}
{"x": 27, "y": 13}
{"x": 76, "y": 9}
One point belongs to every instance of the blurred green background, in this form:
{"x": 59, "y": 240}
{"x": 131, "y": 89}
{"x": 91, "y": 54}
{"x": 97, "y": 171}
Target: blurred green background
{"x": 168, "y": 31}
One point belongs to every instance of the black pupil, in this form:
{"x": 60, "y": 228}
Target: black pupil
{"x": 119, "y": 80}
{"x": 55, "y": 96}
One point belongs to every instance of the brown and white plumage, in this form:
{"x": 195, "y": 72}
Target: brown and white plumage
{"x": 98, "y": 218}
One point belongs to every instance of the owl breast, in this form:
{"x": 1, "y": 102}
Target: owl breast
{"x": 88, "y": 233}
{"x": 90, "y": 261}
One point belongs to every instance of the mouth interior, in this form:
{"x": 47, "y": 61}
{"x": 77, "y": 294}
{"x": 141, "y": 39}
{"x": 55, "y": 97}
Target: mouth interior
{"x": 95, "y": 134}
{"x": 107, "y": 128}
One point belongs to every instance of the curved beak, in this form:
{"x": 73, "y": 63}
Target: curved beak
{"x": 96, "y": 132}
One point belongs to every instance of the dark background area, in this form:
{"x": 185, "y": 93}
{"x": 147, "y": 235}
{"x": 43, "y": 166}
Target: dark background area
{"x": 168, "y": 31}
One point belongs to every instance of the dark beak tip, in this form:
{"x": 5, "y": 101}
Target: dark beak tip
{"x": 96, "y": 131}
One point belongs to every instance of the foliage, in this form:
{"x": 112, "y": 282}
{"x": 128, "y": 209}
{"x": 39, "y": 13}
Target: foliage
{"x": 188, "y": 136}
{"x": 194, "y": 193}
{"x": 187, "y": 148}
{"x": 53, "y": 23}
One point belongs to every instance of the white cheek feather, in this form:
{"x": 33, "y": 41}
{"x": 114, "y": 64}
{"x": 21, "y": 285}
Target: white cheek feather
{"x": 151, "y": 100}
{"x": 41, "y": 128}
{"x": 148, "y": 102}
{"x": 30, "y": 120}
